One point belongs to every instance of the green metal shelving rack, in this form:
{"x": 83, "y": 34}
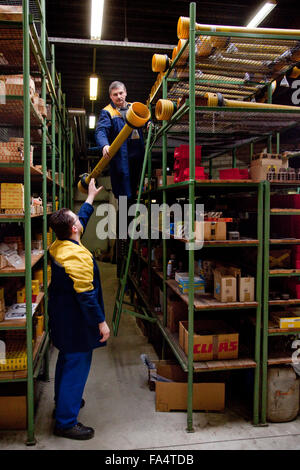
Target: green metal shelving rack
{"x": 35, "y": 50}
{"x": 261, "y": 125}
{"x": 268, "y": 332}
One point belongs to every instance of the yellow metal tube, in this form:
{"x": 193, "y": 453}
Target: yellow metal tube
{"x": 183, "y": 26}
{"x": 137, "y": 116}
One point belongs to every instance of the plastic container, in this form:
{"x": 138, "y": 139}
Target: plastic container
{"x": 283, "y": 395}
{"x": 234, "y": 174}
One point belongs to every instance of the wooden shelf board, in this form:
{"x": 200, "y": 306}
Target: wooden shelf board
{"x": 284, "y": 241}
{"x": 284, "y": 302}
{"x": 207, "y": 301}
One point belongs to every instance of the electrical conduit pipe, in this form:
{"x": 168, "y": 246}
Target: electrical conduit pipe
{"x": 137, "y": 116}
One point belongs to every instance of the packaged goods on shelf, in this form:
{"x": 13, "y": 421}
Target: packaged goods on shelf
{"x": 177, "y": 311}
{"x": 286, "y": 319}
{"x": 12, "y": 196}
{"x": 14, "y": 152}
{"x": 38, "y": 274}
{"x": 18, "y": 311}
{"x": 37, "y": 245}
{"x": 11, "y": 255}
{"x": 170, "y": 180}
{"x": 262, "y": 162}
{"x": 213, "y": 339}
{"x": 14, "y": 85}
{"x": 15, "y": 354}
{"x": 35, "y": 287}
{"x": 225, "y": 283}
{"x": 280, "y": 259}
{"x": 3, "y": 262}
{"x": 184, "y": 283}
{"x": 18, "y": 239}
{"x": 246, "y": 289}
{"x": 171, "y": 389}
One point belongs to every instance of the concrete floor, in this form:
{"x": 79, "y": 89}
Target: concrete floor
{"x": 121, "y": 408}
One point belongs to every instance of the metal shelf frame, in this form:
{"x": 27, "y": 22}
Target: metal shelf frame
{"x": 35, "y": 46}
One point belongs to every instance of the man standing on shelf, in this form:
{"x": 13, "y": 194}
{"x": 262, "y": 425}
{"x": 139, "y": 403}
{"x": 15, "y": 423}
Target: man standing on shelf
{"x": 126, "y": 165}
{"x": 76, "y": 315}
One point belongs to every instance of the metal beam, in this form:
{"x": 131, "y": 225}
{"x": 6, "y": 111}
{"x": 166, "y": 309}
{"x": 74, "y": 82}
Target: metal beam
{"x": 103, "y": 43}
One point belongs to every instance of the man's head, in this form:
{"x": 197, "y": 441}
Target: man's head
{"x": 118, "y": 94}
{"x": 65, "y": 224}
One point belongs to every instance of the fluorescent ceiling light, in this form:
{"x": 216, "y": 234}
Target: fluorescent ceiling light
{"x": 262, "y": 13}
{"x": 92, "y": 121}
{"x": 93, "y": 87}
{"x": 96, "y": 18}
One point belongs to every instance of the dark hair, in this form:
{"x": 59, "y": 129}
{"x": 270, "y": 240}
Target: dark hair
{"x": 61, "y": 223}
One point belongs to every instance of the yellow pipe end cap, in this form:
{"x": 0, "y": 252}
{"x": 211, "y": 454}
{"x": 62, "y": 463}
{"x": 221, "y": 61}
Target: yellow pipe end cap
{"x": 138, "y": 114}
{"x": 183, "y": 27}
{"x": 159, "y": 63}
{"x": 164, "y": 110}
{"x": 81, "y": 188}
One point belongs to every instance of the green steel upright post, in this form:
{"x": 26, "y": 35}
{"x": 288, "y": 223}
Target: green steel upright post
{"x": 64, "y": 149}
{"x": 53, "y": 128}
{"x": 270, "y": 101}
{"x": 164, "y": 241}
{"x": 71, "y": 192}
{"x": 27, "y": 196}
{"x": 277, "y": 142}
{"x": 265, "y": 302}
{"x": 44, "y": 168}
{"x": 259, "y": 270}
{"x": 234, "y": 152}
{"x": 192, "y": 146}
{"x": 59, "y": 132}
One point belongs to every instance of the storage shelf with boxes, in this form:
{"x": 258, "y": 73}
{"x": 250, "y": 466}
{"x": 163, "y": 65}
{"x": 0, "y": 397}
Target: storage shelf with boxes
{"x": 28, "y": 194}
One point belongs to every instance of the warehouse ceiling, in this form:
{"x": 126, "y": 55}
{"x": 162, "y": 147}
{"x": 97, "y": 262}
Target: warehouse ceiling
{"x": 128, "y": 21}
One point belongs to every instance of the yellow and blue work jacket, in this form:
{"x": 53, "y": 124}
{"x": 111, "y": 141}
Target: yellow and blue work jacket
{"x": 125, "y": 166}
{"x": 75, "y": 295}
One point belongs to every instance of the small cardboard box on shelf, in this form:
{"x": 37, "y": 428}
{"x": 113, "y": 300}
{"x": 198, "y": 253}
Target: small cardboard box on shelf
{"x": 213, "y": 340}
{"x": 225, "y": 282}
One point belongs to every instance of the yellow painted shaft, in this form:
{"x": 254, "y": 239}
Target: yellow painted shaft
{"x": 137, "y": 116}
{"x": 165, "y": 108}
{"x": 183, "y": 26}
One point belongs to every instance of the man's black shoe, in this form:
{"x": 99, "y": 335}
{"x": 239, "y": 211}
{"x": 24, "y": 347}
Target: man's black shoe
{"x": 79, "y": 432}
{"x": 81, "y": 406}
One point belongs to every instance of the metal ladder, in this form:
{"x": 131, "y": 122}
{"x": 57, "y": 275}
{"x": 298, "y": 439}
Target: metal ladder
{"x": 119, "y": 303}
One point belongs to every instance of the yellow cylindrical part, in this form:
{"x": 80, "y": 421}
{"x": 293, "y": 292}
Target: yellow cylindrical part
{"x": 183, "y": 29}
{"x": 295, "y": 72}
{"x": 213, "y": 100}
{"x": 137, "y": 116}
{"x": 160, "y": 63}
{"x": 164, "y": 110}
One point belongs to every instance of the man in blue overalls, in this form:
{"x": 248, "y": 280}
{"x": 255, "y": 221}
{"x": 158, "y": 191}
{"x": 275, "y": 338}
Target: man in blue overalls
{"x": 76, "y": 315}
{"x": 126, "y": 165}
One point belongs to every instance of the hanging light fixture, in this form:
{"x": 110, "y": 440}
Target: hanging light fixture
{"x": 266, "y": 8}
{"x": 96, "y": 18}
{"x": 92, "y": 121}
{"x": 93, "y": 87}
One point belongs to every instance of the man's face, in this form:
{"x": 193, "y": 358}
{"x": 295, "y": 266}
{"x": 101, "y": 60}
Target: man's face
{"x": 77, "y": 223}
{"x": 118, "y": 96}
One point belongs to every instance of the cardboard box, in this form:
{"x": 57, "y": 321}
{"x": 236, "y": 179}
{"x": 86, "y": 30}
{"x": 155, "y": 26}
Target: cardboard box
{"x": 173, "y": 395}
{"x": 11, "y": 13}
{"x": 246, "y": 289}
{"x": 176, "y": 312}
{"x": 3, "y": 262}
{"x": 286, "y": 320}
{"x": 13, "y": 412}
{"x": 225, "y": 283}
{"x": 213, "y": 340}
{"x": 12, "y": 196}
{"x": 170, "y": 180}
